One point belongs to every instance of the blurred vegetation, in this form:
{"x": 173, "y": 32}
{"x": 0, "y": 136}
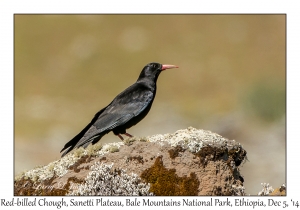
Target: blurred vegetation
{"x": 86, "y": 60}
{"x": 67, "y": 67}
{"x": 268, "y": 102}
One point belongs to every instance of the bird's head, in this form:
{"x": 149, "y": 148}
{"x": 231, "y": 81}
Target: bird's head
{"x": 152, "y": 70}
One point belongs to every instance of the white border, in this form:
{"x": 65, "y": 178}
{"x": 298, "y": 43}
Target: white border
{"x": 9, "y": 8}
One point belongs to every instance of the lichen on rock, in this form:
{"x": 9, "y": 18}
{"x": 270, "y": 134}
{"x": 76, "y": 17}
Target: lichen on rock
{"x": 103, "y": 180}
{"x": 188, "y": 162}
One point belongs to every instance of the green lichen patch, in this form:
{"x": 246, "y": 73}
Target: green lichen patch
{"x": 129, "y": 141}
{"x": 113, "y": 149}
{"x": 79, "y": 152}
{"x": 92, "y": 149}
{"x": 166, "y": 182}
{"x": 144, "y": 139}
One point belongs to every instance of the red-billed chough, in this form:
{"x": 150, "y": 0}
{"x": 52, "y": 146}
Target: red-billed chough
{"x": 126, "y": 110}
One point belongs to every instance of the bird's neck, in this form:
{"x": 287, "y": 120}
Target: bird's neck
{"x": 149, "y": 83}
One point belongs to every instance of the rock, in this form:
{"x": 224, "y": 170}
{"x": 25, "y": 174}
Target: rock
{"x": 280, "y": 191}
{"x": 269, "y": 191}
{"x": 187, "y": 162}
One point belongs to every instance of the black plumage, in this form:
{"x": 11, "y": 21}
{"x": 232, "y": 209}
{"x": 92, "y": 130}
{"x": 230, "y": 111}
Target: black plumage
{"x": 126, "y": 110}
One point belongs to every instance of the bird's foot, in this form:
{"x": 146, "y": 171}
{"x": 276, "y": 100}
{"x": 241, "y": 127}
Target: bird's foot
{"x": 127, "y": 134}
{"x": 120, "y": 137}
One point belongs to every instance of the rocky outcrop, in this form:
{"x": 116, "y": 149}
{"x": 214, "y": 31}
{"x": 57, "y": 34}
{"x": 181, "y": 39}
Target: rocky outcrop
{"x": 187, "y": 162}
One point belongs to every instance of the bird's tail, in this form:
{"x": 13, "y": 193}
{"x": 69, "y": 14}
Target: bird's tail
{"x": 84, "y": 142}
{"x": 73, "y": 143}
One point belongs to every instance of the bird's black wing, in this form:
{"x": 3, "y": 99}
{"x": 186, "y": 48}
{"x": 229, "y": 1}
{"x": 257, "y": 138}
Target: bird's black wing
{"x": 128, "y": 104}
{"x": 124, "y": 107}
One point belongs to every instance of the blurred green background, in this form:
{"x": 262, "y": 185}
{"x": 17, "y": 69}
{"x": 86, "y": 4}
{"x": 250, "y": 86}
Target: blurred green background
{"x": 231, "y": 81}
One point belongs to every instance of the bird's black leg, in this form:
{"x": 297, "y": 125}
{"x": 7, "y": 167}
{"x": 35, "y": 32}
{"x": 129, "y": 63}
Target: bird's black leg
{"x": 120, "y": 137}
{"x": 127, "y": 134}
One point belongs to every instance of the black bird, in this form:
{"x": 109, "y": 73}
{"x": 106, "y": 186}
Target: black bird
{"x": 127, "y": 109}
